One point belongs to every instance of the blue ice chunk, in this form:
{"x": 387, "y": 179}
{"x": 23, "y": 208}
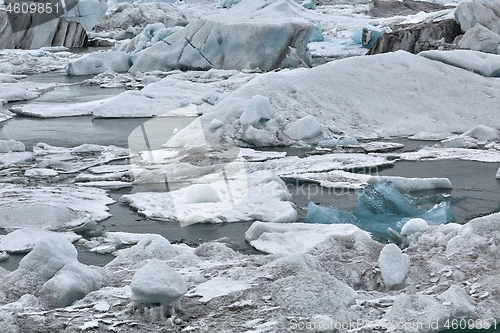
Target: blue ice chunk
{"x": 439, "y": 214}
{"x": 317, "y": 35}
{"x": 366, "y": 35}
{"x": 326, "y": 215}
{"x": 382, "y": 199}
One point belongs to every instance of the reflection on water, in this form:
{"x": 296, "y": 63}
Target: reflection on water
{"x": 74, "y": 131}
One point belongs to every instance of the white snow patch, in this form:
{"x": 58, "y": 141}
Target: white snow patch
{"x": 216, "y": 287}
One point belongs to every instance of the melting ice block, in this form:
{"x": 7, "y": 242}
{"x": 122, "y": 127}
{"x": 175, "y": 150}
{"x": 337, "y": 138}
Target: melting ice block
{"x": 52, "y": 271}
{"x": 326, "y": 215}
{"x": 382, "y": 199}
{"x": 156, "y": 282}
{"x": 439, "y": 214}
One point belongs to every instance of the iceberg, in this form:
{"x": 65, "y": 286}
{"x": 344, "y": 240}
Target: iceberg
{"x": 439, "y": 214}
{"x": 366, "y": 36}
{"x": 481, "y": 39}
{"x": 317, "y": 35}
{"x": 157, "y": 283}
{"x": 470, "y": 13}
{"x": 271, "y": 35}
{"x": 380, "y": 206}
{"x": 87, "y": 12}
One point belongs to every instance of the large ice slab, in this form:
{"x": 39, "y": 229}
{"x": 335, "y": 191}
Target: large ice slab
{"x": 363, "y": 115}
{"x": 475, "y": 61}
{"x": 270, "y": 35}
{"x": 262, "y": 197}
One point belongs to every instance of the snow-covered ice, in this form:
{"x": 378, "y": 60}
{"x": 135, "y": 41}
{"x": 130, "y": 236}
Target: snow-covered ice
{"x": 238, "y": 200}
{"x": 297, "y": 237}
{"x": 7, "y": 146}
{"x": 402, "y": 111}
{"x": 394, "y": 266}
{"x": 217, "y": 287}
{"x": 270, "y": 35}
{"x": 52, "y": 272}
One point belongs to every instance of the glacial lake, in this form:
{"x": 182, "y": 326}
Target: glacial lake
{"x": 475, "y": 189}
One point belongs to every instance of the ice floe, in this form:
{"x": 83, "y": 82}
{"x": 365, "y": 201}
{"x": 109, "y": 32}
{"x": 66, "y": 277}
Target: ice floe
{"x": 23, "y": 240}
{"x": 57, "y": 208}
